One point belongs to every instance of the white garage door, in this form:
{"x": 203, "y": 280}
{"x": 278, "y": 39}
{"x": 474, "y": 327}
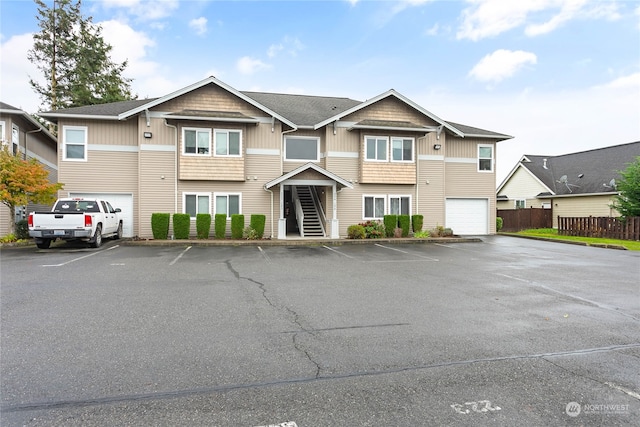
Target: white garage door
{"x": 123, "y": 201}
{"x": 468, "y": 216}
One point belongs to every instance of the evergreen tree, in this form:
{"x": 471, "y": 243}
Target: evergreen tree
{"x": 74, "y": 59}
{"x": 628, "y": 202}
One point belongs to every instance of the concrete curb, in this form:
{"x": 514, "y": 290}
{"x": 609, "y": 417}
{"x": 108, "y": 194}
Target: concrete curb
{"x": 568, "y": 242}
{"x": 298, "y": 242}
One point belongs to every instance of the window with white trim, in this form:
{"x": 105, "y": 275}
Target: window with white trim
{"x": 400, "y": 205}
{"x": 228, "y": 203}
{"x": 373, "y": 207}
{"x": 376, "y": 148}
{"x": 485, "y": 158}
{"x": 74, "y": 143}
{"x": 228, "y": 143}
{"x": 196, "y": 203}
{"x": 2, "y": 137}
{"x": 302, "y": 148}
{"x": 15, "y": 139}
{"x": 402, "y": 149}
{"x": 521, "y": 203}
{"x": 196, "y": 141}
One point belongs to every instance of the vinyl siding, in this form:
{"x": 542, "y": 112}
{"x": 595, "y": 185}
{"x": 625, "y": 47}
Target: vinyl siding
{"x": 522, "y": 185}
{"x": 463, "y": 181}
{"x": 582, "y": 206}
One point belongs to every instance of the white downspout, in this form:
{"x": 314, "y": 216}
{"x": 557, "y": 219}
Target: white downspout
{"x": 266, "y": 189}
{"x": 175, "y": 167}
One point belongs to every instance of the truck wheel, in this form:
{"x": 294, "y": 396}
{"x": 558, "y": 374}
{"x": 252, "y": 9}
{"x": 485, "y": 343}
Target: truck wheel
{"x": 119, "y": 232}
{"x": 97, "y": 238}
{"x": 44, "y": 244}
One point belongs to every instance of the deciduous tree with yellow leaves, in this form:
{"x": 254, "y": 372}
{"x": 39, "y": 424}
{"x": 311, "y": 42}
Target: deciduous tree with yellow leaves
{"x": 24, "y": 181}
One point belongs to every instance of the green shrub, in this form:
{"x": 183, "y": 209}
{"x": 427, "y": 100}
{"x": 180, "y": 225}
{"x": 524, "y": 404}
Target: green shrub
{"x": 181, "y": 225}
{"x": 499, "y": 223}
{"x": 416, "y": 222}
{"x": 373, "y": 229}
{"x": 390, "y": 224}
{"x": 404, "y": 221}
{"x": 421, "y": 234}
{"x": 22, "y": 229}
{"x": 237, "y": 225}
{"x": 203, "y": 225}
{"x": 356, "y": 232}
{"x": 257, "y": 222}
{"x": 9, "y": 238}
{"x": 220, "y": 224}
{"x": 160, "y": 225}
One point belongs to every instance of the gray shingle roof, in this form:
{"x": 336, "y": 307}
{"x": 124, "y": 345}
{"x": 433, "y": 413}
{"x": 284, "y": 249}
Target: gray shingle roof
{"x": 586, "y": 172}
{"x": 469, "y": 130}
{"x": 112, "y": 109}
{"x": 303, "y": 110}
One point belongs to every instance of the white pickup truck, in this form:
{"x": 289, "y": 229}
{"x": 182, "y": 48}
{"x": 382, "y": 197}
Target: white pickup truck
{"x": 88, "y": 220}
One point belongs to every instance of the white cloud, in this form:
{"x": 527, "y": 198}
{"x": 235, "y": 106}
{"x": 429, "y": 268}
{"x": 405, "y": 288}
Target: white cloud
{"x": 144, "y": 10}
{"x": 433, "y": 31}
{"x": 199, "y": 25}
{"x": 489, "y": 18}
{"x": 248, "y": 65}
{"x": 501, "y": 64}
{"x": 16, "y": 71}
{"x": 290, "y": 45}
{"x": 631, "y": 81}
{"x": 274, "y": 49}
{"x": 569, "y": 10}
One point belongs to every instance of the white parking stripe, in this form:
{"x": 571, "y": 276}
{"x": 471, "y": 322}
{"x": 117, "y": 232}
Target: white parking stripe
{"x": 338, "y": 252}
{"x": 264, "y": 254}
{"x": 405, "y": 252}
{"x": 78, "y": 259}
{"x": 180, "y": 256}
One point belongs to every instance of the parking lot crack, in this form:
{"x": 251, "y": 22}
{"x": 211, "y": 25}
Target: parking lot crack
{"x": 293, "y": 315}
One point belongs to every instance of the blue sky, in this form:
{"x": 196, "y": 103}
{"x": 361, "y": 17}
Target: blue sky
{"x": 559, "y": 75}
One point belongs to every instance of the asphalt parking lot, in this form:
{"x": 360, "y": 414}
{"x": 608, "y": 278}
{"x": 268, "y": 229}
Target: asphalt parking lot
{"x": 501, "y": 332}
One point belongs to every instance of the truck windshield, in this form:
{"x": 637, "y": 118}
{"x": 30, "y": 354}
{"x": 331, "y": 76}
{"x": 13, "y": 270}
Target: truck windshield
{"x": 76, "y": 206}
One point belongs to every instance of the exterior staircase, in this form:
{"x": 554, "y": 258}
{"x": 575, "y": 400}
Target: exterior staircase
{"x": 312, "y": 225}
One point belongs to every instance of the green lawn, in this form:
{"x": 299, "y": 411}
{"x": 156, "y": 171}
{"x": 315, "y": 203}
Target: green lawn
{"x": 551, "y": 233}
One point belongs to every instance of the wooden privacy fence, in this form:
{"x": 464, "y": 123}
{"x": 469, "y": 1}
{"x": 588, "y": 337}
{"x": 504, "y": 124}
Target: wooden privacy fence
{"x": 522, "y": 219}
{"x": 592, "y": 226}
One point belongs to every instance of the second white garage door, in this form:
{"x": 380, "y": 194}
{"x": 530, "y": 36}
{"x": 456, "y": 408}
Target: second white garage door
{"x": 123, "y": 201}
{"x": 468, "y": 216}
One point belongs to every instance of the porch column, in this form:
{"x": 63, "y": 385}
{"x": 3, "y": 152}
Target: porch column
{"x": 282, "y": 221}
{"x": 335, "y": 226}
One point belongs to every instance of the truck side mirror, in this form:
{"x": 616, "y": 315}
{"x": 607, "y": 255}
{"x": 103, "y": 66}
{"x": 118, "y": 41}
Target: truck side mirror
{"x": 118, "y": 210}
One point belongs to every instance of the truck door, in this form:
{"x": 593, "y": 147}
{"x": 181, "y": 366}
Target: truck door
{"x": 110, "y": 219}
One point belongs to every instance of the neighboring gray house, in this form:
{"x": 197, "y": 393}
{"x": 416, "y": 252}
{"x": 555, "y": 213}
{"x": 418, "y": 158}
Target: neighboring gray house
{"x": 24, "y": 134}
{"x": 573, "y": 185}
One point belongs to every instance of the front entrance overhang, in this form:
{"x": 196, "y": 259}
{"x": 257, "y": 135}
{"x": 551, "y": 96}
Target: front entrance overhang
{"x": 299, "y": 176}
{"x": 331, "y": 177}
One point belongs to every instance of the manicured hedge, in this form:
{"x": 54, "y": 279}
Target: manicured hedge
{"x": 257, "y": 222}
{"x": 237, "y": 226}
{"x": 390, "y": 224}
{"x": 160, "y": 225}
{"x": 405, "y": 223}
{"x": 220, "y": 225}
{"x": 499, "y": 223}
{"x": 417, "y": 222}
{"x": 203, "y": 225}
{"x": 181, "y": 225}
